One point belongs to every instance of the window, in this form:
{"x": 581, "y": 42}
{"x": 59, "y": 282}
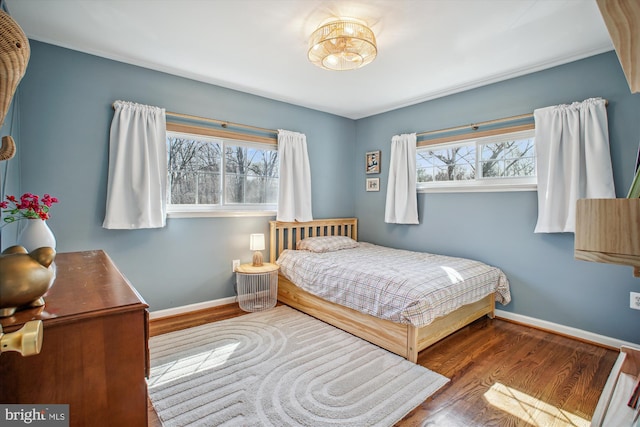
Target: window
{"x": 220, "y": 175}
{"x": 504, "y": 162}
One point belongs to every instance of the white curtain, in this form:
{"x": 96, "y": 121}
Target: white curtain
{"x": 294, "y": 196}
{"x": 402, "y": 199}
{"x": 137, "y": 183}
{"x": 573, "y": 161}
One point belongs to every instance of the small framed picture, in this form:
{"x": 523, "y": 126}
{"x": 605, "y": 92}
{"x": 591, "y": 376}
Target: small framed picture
{"x": 373, "y": 162}
{"x": 373, "y": 184}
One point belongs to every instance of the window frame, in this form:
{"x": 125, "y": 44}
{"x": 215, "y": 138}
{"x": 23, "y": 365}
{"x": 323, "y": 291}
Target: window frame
{"x": 224, "y": 138}
{"x": 529, "y": 183}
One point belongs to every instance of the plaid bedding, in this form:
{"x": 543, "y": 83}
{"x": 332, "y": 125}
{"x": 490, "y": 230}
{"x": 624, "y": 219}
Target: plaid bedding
{"x": 398, "y": 285}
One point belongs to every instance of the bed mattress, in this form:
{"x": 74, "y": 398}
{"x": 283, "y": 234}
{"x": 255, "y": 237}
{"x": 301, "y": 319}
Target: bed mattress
{"x": 393, "y": 284}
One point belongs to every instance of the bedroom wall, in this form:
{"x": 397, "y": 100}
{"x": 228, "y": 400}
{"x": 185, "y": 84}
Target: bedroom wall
{"x": 497, "y": 228}
{"x": 9, "y": 173}
{"x": 65, "y": 111}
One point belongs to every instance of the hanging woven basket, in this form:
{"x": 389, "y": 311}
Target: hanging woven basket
{"x": 14, "y": 56}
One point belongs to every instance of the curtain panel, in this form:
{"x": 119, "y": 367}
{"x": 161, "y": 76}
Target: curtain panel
{"x": 137, "y": 181}
{"x": 294, "y": 195}
{"x": 402, "y": 199}
{"x": 573, "y": 161}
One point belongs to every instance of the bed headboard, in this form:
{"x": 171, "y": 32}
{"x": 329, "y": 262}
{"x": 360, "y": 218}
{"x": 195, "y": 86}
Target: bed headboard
{"x": 285, "y": 235}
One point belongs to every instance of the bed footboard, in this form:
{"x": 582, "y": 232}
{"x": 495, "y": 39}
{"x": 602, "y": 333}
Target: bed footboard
{"x": 404, "y": 340}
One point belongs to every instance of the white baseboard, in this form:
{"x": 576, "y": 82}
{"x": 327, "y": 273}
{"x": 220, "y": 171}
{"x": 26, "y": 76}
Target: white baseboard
{"x": 564, "y": 330}
{"x": 158, "y": 314}
{"x": 525, "y": 320}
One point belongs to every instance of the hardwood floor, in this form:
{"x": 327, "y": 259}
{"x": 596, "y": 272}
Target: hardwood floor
{"x": 502, "y": 374}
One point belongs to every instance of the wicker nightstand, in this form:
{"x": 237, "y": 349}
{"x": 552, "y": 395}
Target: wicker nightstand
{"x": 257, "y": 286}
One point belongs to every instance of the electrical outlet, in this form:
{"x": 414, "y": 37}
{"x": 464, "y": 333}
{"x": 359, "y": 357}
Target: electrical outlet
{"x": 634, "y": 300}
{"x": 236, "y": 264}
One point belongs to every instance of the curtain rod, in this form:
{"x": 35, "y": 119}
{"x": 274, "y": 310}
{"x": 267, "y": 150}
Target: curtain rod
{"x": 475, "y": 126}
{"x": 222, "y": 123}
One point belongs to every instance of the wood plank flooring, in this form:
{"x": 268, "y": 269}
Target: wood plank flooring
{"x": 502, "y": 374}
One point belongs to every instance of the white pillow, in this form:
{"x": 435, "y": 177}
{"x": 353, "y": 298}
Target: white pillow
{"x": 326, "y": 243}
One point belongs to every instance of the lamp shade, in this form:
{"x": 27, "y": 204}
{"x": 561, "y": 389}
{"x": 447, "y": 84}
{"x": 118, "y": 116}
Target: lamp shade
{"x": 342, "y": 44}
{"x": 256, "y": 242}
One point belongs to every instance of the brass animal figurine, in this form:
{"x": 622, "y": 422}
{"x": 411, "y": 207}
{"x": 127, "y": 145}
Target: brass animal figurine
{"x": 24, "y": 278}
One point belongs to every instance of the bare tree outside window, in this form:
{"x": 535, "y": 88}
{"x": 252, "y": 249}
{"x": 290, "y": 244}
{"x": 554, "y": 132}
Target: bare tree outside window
{"x": 194, "y": 171}
{"x": 508, "y": 159}
{"x": 196, "y": 168}
{"x": 251, "y": 175}
{"x": 497, "y": 158}
{"x": 450, "y": 164}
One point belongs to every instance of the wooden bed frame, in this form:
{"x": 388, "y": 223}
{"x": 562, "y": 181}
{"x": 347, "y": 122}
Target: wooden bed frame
{"x": 404, "y": 340}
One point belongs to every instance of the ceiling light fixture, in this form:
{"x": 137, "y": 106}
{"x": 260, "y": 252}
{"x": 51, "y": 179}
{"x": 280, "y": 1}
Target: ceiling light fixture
{"x": 342, "y": 44}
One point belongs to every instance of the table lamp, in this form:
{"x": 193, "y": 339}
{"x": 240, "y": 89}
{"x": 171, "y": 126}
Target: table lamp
{"x": 257, "y": 245}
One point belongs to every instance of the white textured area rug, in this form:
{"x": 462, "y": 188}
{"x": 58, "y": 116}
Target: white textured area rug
{"x": 281, "y": 368}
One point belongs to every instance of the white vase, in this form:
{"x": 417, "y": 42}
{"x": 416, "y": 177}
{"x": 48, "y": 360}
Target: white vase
{"x": 36, "y": 234}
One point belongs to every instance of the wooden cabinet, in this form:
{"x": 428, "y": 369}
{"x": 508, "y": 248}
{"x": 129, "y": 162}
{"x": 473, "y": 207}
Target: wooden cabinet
{"x": 608, "y": 230}
{"x": 622, "y": 18}
{"x": 94, "y": 353}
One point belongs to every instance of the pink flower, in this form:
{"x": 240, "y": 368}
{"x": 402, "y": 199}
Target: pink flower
{"x": 30, "y": 207}
{"x": 48, "y": 200}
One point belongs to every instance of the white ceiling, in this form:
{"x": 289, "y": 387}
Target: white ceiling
{"x": 426, "y": 48}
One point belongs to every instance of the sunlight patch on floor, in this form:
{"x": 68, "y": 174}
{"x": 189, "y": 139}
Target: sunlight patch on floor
{"x": 191, "y": 364}
{"x": 530, "y": 409}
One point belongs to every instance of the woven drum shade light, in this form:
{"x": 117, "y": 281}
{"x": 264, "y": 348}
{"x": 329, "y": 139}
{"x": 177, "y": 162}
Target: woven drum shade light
{"x": 14, "y": 56}
{"x": 342, "y": 44}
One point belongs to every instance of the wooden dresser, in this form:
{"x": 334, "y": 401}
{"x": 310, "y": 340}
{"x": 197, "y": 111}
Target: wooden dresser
{"x": 94, "y": 353}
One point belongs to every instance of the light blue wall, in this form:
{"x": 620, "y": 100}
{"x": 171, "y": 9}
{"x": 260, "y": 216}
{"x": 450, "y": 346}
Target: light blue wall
{"x": 65, "y": 111}
{"x": 9, "y": 172}
{"x": 546, "y": 282}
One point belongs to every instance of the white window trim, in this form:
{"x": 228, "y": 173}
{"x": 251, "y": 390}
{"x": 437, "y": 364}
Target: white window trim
{"x": 482, "y": 184}
{"x": 218, "y": 211}
{"x": 478, "y": 187}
